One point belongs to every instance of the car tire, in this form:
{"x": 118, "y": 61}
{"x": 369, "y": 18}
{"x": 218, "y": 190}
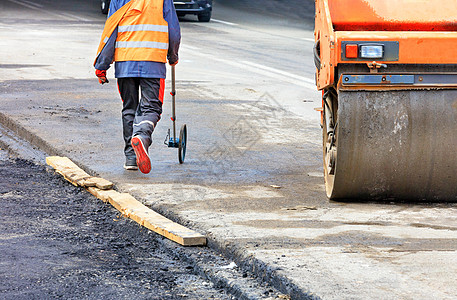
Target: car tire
{"x": 204, "y": 17}
{"x": 104, "y": 7}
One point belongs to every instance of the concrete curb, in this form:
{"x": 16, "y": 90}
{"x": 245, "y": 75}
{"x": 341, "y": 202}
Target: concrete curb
{"x": 30, "y": 137}
{"x": 35, "y": 141}
{"x": 248, "y": 263}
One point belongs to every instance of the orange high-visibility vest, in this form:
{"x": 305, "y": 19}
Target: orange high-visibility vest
{"x": 142, "y": 32}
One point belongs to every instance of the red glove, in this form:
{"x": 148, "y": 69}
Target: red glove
{"x": 101, "y": 74}
{"x": 173, "y": 64}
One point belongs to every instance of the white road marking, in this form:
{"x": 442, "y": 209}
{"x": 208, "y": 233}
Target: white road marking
{"x": 40, "y": 9}
{"x": 23, "y": 4}
{"x": 224, "y": 22}
{"x": 260, "y": 71}
{"x": 75, "y": 17}
{"x": 191, "y": 47}
{"x": 308, "y": 40}
{"x": 32, "y": 3}
{"x": 279, "y": 72}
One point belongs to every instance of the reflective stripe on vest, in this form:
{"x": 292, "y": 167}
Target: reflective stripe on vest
{"x": 142, "y": 33}
{"x": 152, "y": 45}
{"x": 110, "y": 25}
{"x": 143, "y": 27}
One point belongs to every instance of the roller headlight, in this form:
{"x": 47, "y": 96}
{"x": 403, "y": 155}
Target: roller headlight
{"x": 371, "y": 51}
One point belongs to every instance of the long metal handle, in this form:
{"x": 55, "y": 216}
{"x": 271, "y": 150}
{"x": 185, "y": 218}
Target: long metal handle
{"x": 173, "y": 94}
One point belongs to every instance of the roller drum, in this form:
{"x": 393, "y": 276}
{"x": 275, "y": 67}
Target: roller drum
{"x": 395, "y": 145}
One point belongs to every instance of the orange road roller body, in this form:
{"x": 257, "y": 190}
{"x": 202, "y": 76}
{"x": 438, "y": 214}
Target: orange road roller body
{"x": 388, "y": 72}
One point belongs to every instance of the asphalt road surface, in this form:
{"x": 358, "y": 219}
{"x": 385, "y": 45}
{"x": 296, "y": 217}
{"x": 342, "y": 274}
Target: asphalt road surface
{"x": 252, "y": 180}
{"x": 59, "y": 242}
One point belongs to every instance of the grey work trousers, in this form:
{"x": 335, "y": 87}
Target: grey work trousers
{"x": 140, "y": 115}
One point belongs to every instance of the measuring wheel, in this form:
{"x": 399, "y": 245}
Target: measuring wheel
{"x": 171, "y": 140}
{"x": 182, "y": 143}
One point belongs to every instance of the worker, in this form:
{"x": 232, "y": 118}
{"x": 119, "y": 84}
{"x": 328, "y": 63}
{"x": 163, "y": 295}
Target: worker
{"x": 139, "y": 35}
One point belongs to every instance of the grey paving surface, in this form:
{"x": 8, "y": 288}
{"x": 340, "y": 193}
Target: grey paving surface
{"x": 245, "y": 90}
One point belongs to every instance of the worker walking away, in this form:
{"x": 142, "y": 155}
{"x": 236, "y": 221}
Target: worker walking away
{"x": 139, "y": 35}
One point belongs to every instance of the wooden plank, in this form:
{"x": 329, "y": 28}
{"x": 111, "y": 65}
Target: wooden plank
{"x": 74, "y": 174}
{"x": 59, "y": 162}
{"x": 126, "y": 204}
{"x": 148, "y": 218}
{"x": 101, "y": 194}
{"x": 86, "y": 182}
{"x": 102, "y": 184}
{"x": 174, "y": 232}
{"x": 68, "y": 169}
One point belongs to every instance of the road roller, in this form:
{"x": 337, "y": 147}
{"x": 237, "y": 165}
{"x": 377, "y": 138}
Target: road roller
{"x": 387, "y": 70}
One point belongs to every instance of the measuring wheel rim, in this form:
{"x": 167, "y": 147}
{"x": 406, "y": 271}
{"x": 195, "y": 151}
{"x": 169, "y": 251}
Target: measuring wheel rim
{"x": 182, "y": 143}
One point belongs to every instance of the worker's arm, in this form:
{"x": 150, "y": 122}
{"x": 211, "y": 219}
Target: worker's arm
{"x": 174, "y": 31}
{"x": 106, "y": 56}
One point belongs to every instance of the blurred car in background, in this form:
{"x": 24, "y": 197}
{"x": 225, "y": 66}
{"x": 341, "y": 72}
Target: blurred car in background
{"x": 201, "y": 8}
{"x": 104, "y": 6}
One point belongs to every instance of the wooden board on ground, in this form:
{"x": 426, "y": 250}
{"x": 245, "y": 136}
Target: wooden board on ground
{"x": 71, "y": 172}
{"x": 148, "y": 218}
{"x": 126, "y": 204}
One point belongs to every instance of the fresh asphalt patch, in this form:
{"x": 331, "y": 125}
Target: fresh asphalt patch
{"x": 58, "y": 241}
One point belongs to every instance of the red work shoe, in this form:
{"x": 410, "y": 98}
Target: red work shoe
{"x": 142, "y": 157}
